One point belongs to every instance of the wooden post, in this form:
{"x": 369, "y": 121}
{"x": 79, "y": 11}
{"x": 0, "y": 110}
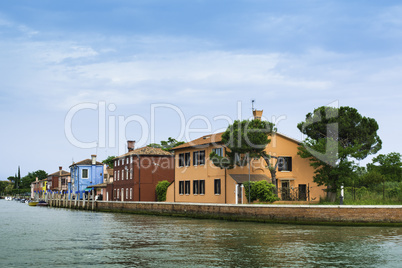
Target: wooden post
{"x": 88, "y": 202}
{"x": 93, "y": 200}
{"x": 75, "y": 201}
{"x": 83, "y": 199}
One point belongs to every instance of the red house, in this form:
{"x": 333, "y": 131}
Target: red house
{"x": 137, "y": 173}
{"x": 58, "y": 181}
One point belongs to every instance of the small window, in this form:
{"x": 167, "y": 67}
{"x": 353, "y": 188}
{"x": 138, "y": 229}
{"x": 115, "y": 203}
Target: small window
{"x": 198, "y": 158}
{"x": 218, "y": 151}
{"x": 122, "y": 161}
{"x": 187, "y": 187}
{"x": 118, "y": 195}
{"x": 285, "y": 163}
{"x": 217, "y": 186}
{"x": 201, "y": 160}
{"x": 126, "y": 193}
{"x": 85, "y": 173}
{"x": 181, "y": 187}
{"x": 181, "y": 160}
{"x": 195, "y": 187}
{"x": 202, "y": 186}
{"x": 131, "y": 193}
{"x": 195, "y": 158}
{"x": 187, "y": 159}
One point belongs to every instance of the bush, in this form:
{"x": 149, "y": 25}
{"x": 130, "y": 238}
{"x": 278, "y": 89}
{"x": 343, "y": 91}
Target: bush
{"x": 161, "y": 189}
{"x": 261, "y": 191}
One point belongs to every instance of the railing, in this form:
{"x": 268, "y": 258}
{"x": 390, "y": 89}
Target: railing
{"x": 293, "y": 194}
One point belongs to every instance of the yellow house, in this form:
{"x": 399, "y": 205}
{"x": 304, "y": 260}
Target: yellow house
{"x": 198, "y": 180}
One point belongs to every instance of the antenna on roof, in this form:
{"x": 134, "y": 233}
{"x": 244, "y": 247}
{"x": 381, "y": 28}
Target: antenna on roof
{"x": 252, "y": 104}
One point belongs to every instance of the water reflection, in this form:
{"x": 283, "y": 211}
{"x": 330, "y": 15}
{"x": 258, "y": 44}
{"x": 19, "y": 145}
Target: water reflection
{"x": 47, "y": 236}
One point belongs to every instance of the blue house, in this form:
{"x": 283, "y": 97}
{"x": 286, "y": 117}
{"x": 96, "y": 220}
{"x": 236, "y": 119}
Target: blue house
{"x": 84, "y": 174}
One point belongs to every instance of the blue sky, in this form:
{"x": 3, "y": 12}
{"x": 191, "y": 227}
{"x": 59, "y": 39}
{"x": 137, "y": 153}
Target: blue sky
{"x": 205, "y": 58}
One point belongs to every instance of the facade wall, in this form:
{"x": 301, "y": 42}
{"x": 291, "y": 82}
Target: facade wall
{"x": 78, "y": 183}
{"x": 137, "y": 176}
{"x": 205, "y": 172}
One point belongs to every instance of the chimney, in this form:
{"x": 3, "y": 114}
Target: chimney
{"x": 93, "y": 157}
{"x": 130, "y": 145}
{"x": 60, "y": 168}
{"x": 257, "y": 114}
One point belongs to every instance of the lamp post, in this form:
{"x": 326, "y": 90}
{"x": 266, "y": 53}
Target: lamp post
{"x": 249, "y": 180}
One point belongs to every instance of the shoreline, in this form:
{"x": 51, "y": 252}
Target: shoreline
{"x": 340, "y": 215}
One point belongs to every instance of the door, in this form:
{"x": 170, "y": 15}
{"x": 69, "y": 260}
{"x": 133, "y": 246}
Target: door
{"x": 302, "y": 192}
{"x": 285, "y": 193}
{"x": 239, "y": 194}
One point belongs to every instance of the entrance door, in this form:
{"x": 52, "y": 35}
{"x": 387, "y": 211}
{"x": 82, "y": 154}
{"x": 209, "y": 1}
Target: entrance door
{"x": 285, "y": 193}
{"x": 239, "y": 193}
{"x": 302, "y": 192}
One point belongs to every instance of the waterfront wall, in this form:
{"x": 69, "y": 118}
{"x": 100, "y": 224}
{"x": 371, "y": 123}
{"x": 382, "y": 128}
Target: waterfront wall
{"x": 302, "y": 214}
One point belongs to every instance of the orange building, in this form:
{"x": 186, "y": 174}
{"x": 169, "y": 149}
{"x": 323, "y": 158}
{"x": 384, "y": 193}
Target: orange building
{"x": 198, "y": 180}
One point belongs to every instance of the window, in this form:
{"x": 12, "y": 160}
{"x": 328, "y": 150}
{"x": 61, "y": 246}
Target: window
{"x": 187, "y": 187}
{"x": 198, "y": 158}
{"x": 118, "y": 174}
{"x": 131, "y": 173}
{"x": 187, "y": 159}
{"x": 126, "y": 193}
{"x": 181, "y": 160}
{"x": 218, "y": 151}
{"x": 114, "y": 193}
{"x": 114, "y": 176}
{"x": 126, "y": 174}
{"x": 202, "y": 186}
{"x": 217, "y": 186}
{"x": 131, "y": 193}
{"x": 285, "y": 163}
{"x": 85, "y": 173}
{"x": 122, "y": 161}
{"x": 181, "y": 187}
{"x": 118, "y": 195}
{"x": 195, "y": 187}
{"x": 116, "y": 163}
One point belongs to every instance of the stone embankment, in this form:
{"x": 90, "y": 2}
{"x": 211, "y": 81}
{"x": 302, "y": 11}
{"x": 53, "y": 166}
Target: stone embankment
{"x": 297, "y": 214}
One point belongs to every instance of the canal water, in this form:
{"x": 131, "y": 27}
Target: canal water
{"x": 42, "y": 236}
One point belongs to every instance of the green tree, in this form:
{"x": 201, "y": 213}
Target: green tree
{"x": 161, "y": 190}
{"x": 109, "y": 161}
{"x": 31, "y": 177}
{"x": 167, "y": 145}
{"x": 336, "y": 136}
{"x": 246, "y": 140}
{"x": 389, "y": 165}
{"x": 3, "y": 185}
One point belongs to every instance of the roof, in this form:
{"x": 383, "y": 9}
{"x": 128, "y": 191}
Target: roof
{"x": 241, "y": 178}
{"x": 202, "y": 141}
{"x": 146, "y": 151}
{"x": 100, "y": 185}
{"x": 109, "y": 171}
{"x": 86, "y": 162}
{"x": 63, "y": 173}
{"x": 217, "y": 138}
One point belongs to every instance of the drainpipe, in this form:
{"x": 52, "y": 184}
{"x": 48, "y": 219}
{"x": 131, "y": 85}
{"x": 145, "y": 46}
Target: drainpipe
{"x": 226, "y": 183}
{"x": 139, "y": 178}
